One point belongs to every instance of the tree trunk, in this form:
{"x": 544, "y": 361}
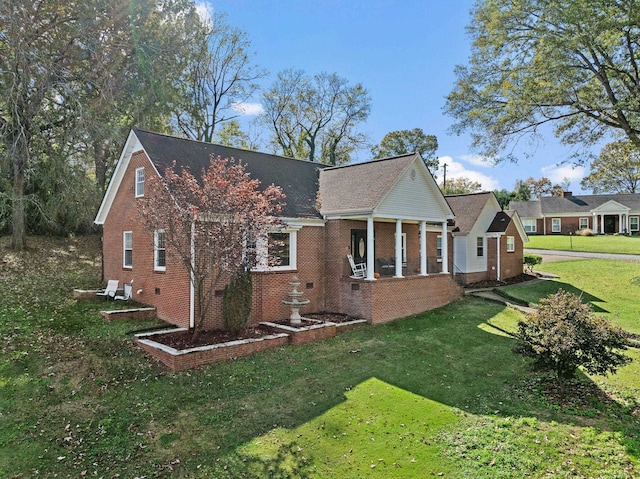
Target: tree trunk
{"x": 18, "y": 234}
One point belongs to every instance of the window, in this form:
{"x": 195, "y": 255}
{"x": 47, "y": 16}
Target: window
{"x": 511, "y": 244}
{"x": 127, "y": 257}
{"x": 633, "y": 223}
{"x": 439, "y": 247}
{"x": 139, "y": 182}
{"x": 529, "y": 225}
{"x": 280, "y": 249}
{"x": 480, "y": 246}
{"x": 159, "y": 251}
{"x": 555, "y": 225}
{"x": 584, "y": 223}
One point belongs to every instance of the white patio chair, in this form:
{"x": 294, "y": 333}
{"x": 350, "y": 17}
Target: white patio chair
{"x": 110, "y": 290}
{"x": 359, "y": 270}
{"x": 127, "y": 291}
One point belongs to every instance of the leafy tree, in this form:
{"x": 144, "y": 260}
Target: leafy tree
{"x": 530, "y": 261}
{"x": 214, "y": 218}
{"x": 315, "y": 118}
{"x": 219, "y": 75}
{"x": 573, "y": 65}
{"x": 230, "y": 134}
{"x": 616, "y": 170}
{"x": 563, "y": 334}
{"x": 402, "y": 142}
{"x": 460, "y": 186}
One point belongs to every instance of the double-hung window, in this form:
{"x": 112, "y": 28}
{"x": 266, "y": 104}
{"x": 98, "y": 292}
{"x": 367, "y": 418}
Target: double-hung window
{"x": 556, "y": 225}
{"x": 511, "y": 244}
{"x": 529, "y": 225}
{"x": 277, "y": 251}
{"x": 127, "y": 247}
{"x": 584, "y": 223}
{"x": 439, "y": 247}
{"x": 159, "y": 251}
{"x": 633, "y": 223}
{"x": 480, "y": 246}
{"x": 139, "y": 182}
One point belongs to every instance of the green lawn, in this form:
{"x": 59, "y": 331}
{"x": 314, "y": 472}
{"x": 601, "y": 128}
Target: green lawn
{"x": 592, "y": 244}
{"x": 435, "y": 395}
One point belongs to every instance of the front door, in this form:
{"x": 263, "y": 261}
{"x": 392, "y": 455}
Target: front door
{"x": 609, "y": 224}
{"x": 359, "y": 245}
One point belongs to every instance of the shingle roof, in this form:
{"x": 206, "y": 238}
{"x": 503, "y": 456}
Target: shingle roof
{"x": 360, "y": 187}
{"x": 500, "y": 222}
{"x": 297, "y": 178}
{"x": 467, "y": 208}
{"x": 571, "y": 204}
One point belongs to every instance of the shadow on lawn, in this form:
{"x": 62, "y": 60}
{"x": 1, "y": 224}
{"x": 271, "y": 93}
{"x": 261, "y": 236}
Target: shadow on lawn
{"x": 459, "y": 356}
{"x": 533, "y": 293}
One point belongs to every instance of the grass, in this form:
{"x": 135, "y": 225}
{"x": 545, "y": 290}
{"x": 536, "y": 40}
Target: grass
{"x": 592, "y": 244}
{"x": 434, "y": 394}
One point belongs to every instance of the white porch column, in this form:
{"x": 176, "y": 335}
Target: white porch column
{"x": 445, "y": 249}
{"x": 595, "y": 223}
{"x": 398, "y": 273}
{"x": 423, "y": 249}
{"x": 370, "y": 250}
{"x": 602, "y": 224}
{"x": 620, "y": 223}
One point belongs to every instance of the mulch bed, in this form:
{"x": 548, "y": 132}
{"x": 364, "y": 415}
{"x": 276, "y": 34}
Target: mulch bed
{"x": 493, "y": 284}
{"x": 184, "y": 339}
{"x": 331, "y": 317}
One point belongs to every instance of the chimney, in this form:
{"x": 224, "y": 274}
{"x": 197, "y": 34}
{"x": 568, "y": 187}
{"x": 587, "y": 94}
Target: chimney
{"x": 567, "y": 194}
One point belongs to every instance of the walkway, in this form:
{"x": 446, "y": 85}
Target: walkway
{"x": 554, "y": 255}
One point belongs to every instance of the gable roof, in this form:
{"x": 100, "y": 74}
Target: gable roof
{"x": 467, "y": 208}
{"x": 582, "y": 204}
{"x": 371, "y": 187}
{"x": 297, "y": 178}
{"x": 500, "y": 223}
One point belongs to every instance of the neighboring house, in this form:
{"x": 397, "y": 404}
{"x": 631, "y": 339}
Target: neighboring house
{"x": 487, "y": 241}
{"x": 389, "y": 210}
{"x": 603, "y": 214}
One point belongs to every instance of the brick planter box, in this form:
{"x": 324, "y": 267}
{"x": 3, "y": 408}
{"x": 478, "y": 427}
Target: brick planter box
{"x": 349, "y": 325}
{"x": 132, "y": 313}
{"x": 305, "y": 334}
{"x": 84, "y": 293}
{"x": 178, "y": 360}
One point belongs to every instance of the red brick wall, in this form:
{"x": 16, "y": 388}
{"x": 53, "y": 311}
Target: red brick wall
{"x": 511, "y": 263}
{"x": 167, "y": 291}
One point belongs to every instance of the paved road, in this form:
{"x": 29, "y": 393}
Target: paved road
{"x": 552, "y": 255}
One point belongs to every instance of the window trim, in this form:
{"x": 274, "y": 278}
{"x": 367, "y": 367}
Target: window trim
{"x": 637, "y": 228}
{"x": 530, "y": 225}
{"x": 139, "y": 184}
{"x": 439, "y": 248}
{"x": 262, "y": 252}
{"x": 511, "y": 244}
{"x": 580, "y": 223}
{"x": 554, "y": 222}
{"x": 125, "y": 249}
{"x": 480, "y": 246}
{"x": 156, "y": 250}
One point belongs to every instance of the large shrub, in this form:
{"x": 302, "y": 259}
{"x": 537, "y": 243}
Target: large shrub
{"x": 563, "y": 334}
{"x": 531, "y": 260}
{"x": 236, "y": 301}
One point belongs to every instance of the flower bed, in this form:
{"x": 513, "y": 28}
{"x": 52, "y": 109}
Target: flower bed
{"x": 311, "y": 330}
{"x": 180, "y": 359}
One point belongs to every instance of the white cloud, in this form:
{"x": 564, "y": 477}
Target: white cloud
{"x": 456, "y": 169}
{"x": 558, "y": 173}
{"x": 478, "y": 160}
{"x": 205, "y": 11}
{"x": 248, "y": 109}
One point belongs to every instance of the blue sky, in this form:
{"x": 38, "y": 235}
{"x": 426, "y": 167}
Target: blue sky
{"x": 404, "y": 53}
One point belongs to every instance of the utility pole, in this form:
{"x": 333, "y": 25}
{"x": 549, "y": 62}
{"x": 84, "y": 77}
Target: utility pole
{"x": 444, "y": 178}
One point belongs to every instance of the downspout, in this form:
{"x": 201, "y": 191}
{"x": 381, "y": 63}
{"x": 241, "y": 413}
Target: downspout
{"x": 498, "y": 258}
{"x": 192, "y": 290}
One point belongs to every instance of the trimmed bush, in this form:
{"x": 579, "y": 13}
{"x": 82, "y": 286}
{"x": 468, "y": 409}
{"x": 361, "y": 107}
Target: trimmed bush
{"x": 531, "y": 260}
{"x": 585, "y": 232}
{"x": 236, "y": 301}
{"x": 563, "y": 334}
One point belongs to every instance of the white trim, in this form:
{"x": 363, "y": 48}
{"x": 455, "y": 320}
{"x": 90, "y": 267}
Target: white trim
{"x": 637, "y": 218}
{"x": 580, "y": 222}
{"x": 262, "y": 251}
{"x": 157, "y": 267}
{"x": 124, "y": 249}
{"x": 139, "y": 185}
{"x": 511, "y": 244}
{"x": 553, "y": 225}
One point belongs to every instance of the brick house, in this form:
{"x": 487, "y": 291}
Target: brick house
{"x": 487, "y": 241}
{"x": 381, "y": 212}
{"x": 603, "y": 214}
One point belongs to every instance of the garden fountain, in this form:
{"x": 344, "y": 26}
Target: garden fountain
{"x": 295, "y": 302}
